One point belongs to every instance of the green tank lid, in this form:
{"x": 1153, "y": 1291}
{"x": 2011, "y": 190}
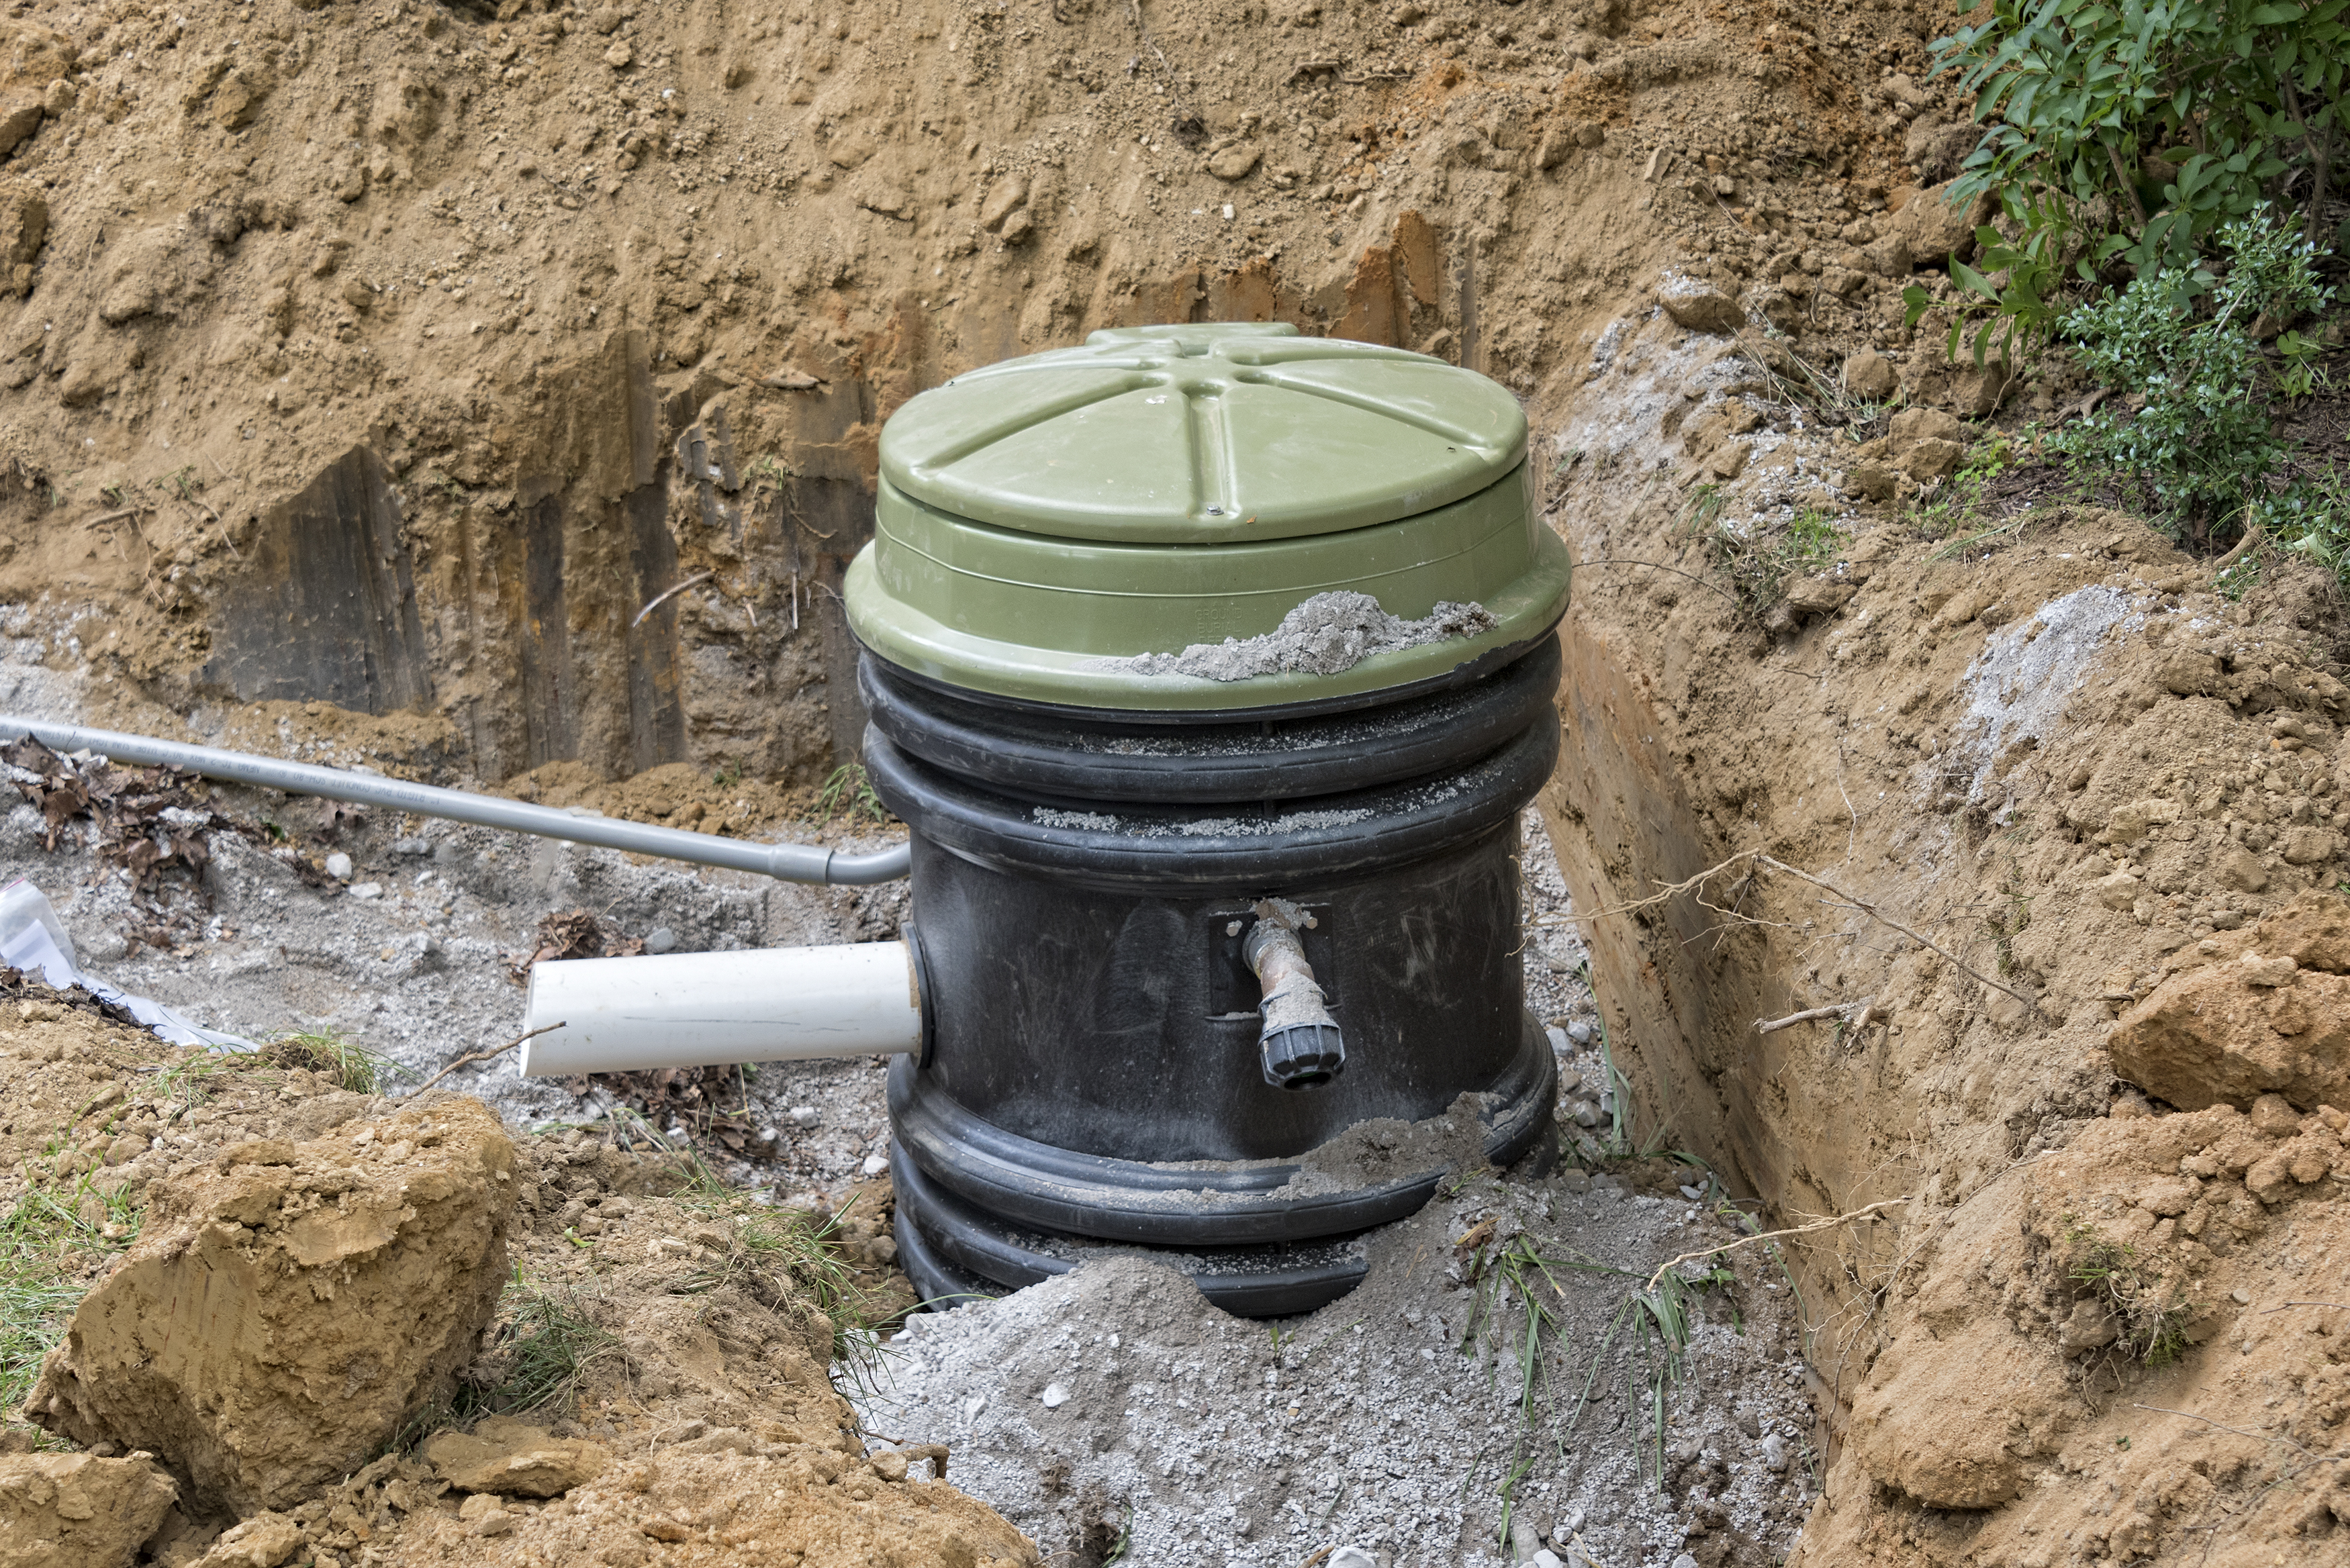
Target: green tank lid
{"x": 1203, "y": 435}
{"x": 1043, "y": 521}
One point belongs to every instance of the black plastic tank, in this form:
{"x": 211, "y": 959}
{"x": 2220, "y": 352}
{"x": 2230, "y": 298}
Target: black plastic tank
{"x": 1211, "y": 667}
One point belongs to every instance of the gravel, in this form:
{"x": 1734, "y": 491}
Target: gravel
{"x": 1115, "y": 1400}
{"x": 1326, "y": 635}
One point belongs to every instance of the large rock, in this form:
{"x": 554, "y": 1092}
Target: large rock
{"x": 513, "y": 1459}
{"x": 1696, "y": 306}
{"x": 1936, "y": 230}
{"x": 76, "y": 1511}
{"x": 289, "y": 1307}
{"x": 2274, "y": 1020}
{"x": 1947, "y": 1420}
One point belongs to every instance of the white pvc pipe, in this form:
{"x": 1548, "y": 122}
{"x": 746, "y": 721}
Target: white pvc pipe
{"x": 691, "y": 1010}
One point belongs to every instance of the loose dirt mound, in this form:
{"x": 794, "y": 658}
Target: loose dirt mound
{"x": 656, "y": 1372}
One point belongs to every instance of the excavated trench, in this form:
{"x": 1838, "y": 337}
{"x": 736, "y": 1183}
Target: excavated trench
{"x": 491, "y": 395}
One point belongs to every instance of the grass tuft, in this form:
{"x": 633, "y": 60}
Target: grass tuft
{"x": 334, "y": 1056}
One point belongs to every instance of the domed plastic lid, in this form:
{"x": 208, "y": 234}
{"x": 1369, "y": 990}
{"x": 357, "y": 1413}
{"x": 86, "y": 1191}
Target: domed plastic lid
{"x": 1212, "y": 434}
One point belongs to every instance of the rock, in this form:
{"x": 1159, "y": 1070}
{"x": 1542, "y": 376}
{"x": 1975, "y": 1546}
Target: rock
{"x": 1235, "y": 162}
{"x": 1978, "y": 393}
{"x": 1911, "y": 426}
{"x": 2240, "y": 869}
{"x": 2309, "y": 846}
{"x": 367, "y": 890}
{"x": 2313, "y": 931}
{"x": 58, "y": 1510}
{"x": 277, "y": 1324}
{"x": 24, "y": 226}
{"x": 2090, "y": 1327}
{"x": 511, "y": 1459}
{"x": 20, "y": 116}
{"x": 1931, "y": 460}
{"x": 338, "y": 867}
{"x": 265, "y": 1540}
{"x": 1869, "y": 374}
{"x": 804, "y": 1115}
{"x": 1774, "y": 1454}
{"x": 1888, "y": 257}
{"x": 621, "y": 55}
{"x": 1811, "y": 597}
{"x": 2218, "y": 1034}
{"x": 2184, "y": 673}
{"x": 1934, "y": 1418}
{"x": 2117, "y": 892}
{"x": 1934, "y": 230}
{"x": 661, "y": 940}
{"x": 2131, "y": 823}
{"x": 1696, "y": 306}
{"x": 2273, "y": 1115}
{"x": 1054, "y": 1396}
{"x": 1579, "y": 1031}
{"x": 1009, "y": 196}
{"x": 1872, "y": 481}
{"x": 1350, "y": 1557}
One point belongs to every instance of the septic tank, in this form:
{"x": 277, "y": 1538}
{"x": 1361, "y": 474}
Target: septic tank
{"x": 1210, "y": 667}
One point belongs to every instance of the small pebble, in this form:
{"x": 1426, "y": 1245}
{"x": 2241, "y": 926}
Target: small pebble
{"x": 1685, "y": 1560}
{"x": 661, "y": 940}
{"x": 1351, "y": 1557}
{"x": 1557, "y": 1038}
{"x": 1549, "y": 1558}
{"x": 367, "y": 890}
{"x": 1054, "y": 1396}
{"x": 1579, "y": 1032}
{"x": 803, "y": 1115}
{"x": 1586, "y": 1114}
{"x": 338, "y": 867}
{"x": 875, "y": 1164}
{"x": 1775, "y": 1453}
{"x": 411, "y": 847}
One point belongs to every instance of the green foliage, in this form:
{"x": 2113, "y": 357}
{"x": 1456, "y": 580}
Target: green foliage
{"x": 1758, "y": 556}
{"x": 39, "y": 1240}
{"x": 2152, "y": 1316}
{"x": 2201, "y": 446}
{"x": 2013, "y": 294}
{"x": 847, "y": 793}
{"x": 548, "y": 1342}
{"x": 2152, "y": 123}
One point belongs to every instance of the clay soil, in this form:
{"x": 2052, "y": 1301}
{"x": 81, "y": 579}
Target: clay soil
{"x": 368, "y": 372}
{"x": 697, "y": 1372}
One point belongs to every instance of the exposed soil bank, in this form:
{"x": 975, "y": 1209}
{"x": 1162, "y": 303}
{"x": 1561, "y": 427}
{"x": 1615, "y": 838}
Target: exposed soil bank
{"x": 2037, "y": 784}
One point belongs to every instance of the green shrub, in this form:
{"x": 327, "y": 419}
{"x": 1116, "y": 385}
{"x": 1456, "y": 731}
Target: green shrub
{"x": 2155, "y": 123}
{"x": 2200, "y": 446}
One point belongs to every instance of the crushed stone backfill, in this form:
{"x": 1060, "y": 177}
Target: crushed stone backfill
{"x": 1115, "y": 1400}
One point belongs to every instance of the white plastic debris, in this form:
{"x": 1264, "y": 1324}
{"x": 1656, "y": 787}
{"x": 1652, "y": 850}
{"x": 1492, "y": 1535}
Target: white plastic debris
{"x": 33, "y": 938}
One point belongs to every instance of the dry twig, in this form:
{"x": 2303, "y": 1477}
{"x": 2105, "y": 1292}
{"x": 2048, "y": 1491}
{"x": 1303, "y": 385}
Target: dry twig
{"x": 473, "y": 1056}
{"x": 1851, "y": 902}
{"x": 664, "y": 597}
{"x": 1828, "y": 1223}
{"x": 1859, "y": 1015}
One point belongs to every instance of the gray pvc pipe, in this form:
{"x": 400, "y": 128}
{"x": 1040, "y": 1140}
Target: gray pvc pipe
{"x": 788, "y": 862}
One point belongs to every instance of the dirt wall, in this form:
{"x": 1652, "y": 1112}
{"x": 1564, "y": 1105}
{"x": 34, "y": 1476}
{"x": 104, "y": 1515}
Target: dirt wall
{"x": 396, "y": 358}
